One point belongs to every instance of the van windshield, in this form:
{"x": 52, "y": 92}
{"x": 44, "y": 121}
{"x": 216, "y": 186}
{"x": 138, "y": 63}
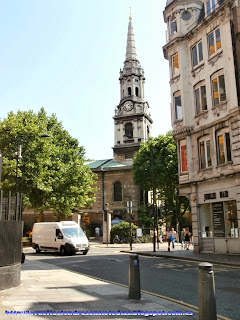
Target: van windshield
{"x": 72, "y": 232}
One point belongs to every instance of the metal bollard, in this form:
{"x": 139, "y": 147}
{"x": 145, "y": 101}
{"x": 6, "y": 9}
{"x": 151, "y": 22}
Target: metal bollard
{"x": 206, "y": 292}
{"x": 134, "y": 278}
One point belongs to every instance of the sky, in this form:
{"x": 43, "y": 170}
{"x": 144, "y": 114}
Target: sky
{"x": 65, "y": 56}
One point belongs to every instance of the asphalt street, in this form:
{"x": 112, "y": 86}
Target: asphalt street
{"x": 177, "y": 279}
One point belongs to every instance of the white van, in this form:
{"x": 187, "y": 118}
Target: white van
{"x": 64, "y": 237}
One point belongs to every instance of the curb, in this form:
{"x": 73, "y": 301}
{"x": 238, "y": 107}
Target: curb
{"x": 231, "y": 264}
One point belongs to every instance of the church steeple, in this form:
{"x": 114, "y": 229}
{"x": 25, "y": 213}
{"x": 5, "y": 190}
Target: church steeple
{"x": 131, "y": 53}
{"x": 132, "y": 118}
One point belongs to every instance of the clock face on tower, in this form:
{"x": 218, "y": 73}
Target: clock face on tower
{"x": 128, "y": 105}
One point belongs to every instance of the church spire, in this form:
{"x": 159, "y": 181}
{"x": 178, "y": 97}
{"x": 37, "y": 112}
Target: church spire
{"x": 131, "y": 53}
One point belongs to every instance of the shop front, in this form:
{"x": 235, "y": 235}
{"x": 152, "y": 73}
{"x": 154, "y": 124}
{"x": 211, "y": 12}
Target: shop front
{"x": 219, "y": 227}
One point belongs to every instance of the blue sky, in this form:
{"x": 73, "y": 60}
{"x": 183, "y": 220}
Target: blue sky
{"x": 65, "y": 55}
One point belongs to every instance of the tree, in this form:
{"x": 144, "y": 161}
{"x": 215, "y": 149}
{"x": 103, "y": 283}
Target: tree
{"x": 156, "y": 166}
{"x": 51, "y": 173}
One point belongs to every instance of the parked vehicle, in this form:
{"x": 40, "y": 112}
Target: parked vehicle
{"x": 65, "y": 237}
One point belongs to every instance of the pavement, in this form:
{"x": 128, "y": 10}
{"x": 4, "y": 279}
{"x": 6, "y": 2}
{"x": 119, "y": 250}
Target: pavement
{"x": 48, "y": 291}
{"x": 146, "y": 249}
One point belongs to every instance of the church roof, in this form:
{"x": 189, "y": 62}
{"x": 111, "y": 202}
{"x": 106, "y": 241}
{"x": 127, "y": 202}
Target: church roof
{"x": 107, "y": 163}
{"x": 131, "y": 53}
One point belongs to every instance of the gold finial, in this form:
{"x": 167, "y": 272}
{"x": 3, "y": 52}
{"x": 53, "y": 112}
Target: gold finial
{"x": 130, "y": 17}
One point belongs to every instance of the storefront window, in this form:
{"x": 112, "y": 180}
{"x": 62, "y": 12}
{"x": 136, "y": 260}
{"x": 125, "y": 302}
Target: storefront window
{"x": 232, "y": 221}
{"x": 206, "y": 220}
{"x": 219, "y": 220}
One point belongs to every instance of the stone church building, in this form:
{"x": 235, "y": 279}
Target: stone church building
{"x": 132, "y": 125}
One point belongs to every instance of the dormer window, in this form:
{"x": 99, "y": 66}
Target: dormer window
{"x": 211, "y": 6}
{"x": 173, "y": 26}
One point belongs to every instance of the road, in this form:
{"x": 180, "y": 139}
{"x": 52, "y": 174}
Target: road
{"x": 172, "y": 278}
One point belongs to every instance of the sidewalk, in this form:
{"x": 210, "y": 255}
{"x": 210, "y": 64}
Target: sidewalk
{"x": 48, "y": 288}
{"x": 146, "y": 249}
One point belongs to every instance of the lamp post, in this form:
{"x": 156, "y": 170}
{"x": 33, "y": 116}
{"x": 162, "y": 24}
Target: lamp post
{"x": 129, "y": 211}
{"x": 154, "y": 194}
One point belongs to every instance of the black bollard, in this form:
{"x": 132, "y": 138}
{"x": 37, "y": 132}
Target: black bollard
{"x": 134, "y": 278}
{"x": 206, "y": 292}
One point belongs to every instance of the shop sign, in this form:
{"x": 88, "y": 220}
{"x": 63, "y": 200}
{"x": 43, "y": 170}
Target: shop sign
{"x": 218, "y": 219}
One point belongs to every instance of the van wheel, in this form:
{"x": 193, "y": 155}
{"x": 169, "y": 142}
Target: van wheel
{"x": 63, "y": 251}
{"x": 84, "y": 253}
{"x": 37, "y": 249}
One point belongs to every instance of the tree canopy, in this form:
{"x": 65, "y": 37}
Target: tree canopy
{"x": 51, "y": 171}
{"x": 156, "y": 167}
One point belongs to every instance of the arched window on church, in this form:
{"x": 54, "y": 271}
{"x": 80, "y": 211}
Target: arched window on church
{"x": 136, "y": 91}
{"x": 129, "y": 92}
{"x": 129, "y": 129}
{"x": 117, "y": 193}
{"x": 147, "y": 132}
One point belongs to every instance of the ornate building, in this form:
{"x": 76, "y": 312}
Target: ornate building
{"x": 132, "y": 125}
{"x": 203, "y": 50}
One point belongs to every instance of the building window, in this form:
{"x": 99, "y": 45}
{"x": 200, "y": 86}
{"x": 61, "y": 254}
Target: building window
{"x": 232, "y": 220}
{"x": 200, "y": 98}
{"x": 206, "y": 220}
{"x": 117, "y": 191}
{"x": 175, "y": 65}
{"x": 129, "y": 129}
{"x": 218, "y": 89}
{"x": 173, "y": 26}
{"x": 183, "y": 156}
{"x": 197, "y": 54}
{"x": 205, "y": 159}
{"x": 136, "y": 91}
{"x": 214, "y": 41}
{"x": 129, "y": 92}
{"x": 223, "y": 147}
{"x": 219, "y": 219}
{"x": 211, "y": 6}
{"x": 178, "y": 106}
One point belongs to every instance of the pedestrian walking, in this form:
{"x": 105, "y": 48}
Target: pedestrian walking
{"x": 183, "y": 238}
{"x": 168, "y": 237}
{"x": 97, "y": 232}
{"x": 187, "y": 238}
{"x": 174, "y": 237}
{"x": 160, "y": 235}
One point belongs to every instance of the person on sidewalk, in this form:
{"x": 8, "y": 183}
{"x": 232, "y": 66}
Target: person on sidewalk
{"x": 174, "y": 237}
{"x": 160, "y": 235}
{"x": 183, "y": 238}
{"x": 187, "y": 238}
{"x": 168, "y": 237}
{"x": 97, "y": 232}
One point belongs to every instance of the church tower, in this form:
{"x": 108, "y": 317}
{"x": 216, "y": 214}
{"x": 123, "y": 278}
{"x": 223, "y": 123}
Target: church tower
{"x": 132, "y": 121}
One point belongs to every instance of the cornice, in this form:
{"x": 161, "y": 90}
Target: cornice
{"x": 184, "y": 131}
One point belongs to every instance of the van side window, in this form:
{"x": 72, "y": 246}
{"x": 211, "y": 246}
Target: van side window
{"x": 58, "y": 234}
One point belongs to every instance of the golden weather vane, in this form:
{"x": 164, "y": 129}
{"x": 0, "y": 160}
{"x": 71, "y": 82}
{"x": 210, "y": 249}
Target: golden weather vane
{"x": 130, "y": 17}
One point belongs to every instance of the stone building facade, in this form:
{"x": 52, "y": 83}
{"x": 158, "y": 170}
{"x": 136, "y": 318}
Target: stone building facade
{"x": 203, "y": 50}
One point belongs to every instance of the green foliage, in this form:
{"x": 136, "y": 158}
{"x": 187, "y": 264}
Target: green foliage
{"x": 122, "y": 230}
{"x": 51, "y": 173}
{"x": 145, "y": 219}
{"x": 156, "y": 167}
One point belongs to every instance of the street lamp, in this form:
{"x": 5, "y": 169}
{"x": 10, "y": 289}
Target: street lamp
{"x": 155, "y": 228}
